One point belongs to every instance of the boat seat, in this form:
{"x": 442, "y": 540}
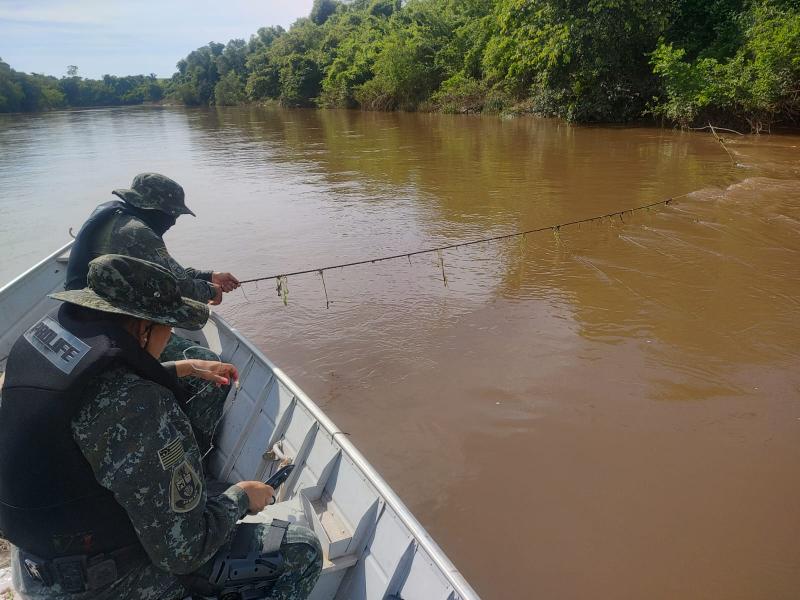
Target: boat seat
{"x": 299, "y": 510}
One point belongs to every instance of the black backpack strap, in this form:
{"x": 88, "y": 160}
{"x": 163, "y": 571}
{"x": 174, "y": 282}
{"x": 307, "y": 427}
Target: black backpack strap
{"x": 275, "y": 536}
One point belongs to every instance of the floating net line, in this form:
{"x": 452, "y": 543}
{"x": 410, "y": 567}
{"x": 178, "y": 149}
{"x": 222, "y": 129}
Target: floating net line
{"x": 282, "y": 283}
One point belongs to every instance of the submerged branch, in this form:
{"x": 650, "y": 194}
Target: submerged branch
{"x": 714, "y": 127}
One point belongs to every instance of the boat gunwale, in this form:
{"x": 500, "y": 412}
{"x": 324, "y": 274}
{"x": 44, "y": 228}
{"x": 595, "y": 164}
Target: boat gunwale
{"x": 41, "y": 264}
{"x": 436, "y": 554}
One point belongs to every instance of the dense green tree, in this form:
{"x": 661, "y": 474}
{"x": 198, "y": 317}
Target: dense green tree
{"x": 229, "y": 90}
{"x": 233, "y": 59}
{"x": 70, "y": 87}
{"x": 580, "y": 60}
{"x": 11, "y": 93}
{"x": 352, "y": 43}
{"x": 153, "y": 90}
{"x": 264, "y": 79}
{"x": 263, "y": 73}
{"x": 406, "y": 71}
{"x": 41, "y": 93}
{"x": 322, "y": 10}
{"x": 461, "y": 94}
{"x": 300, "y": 80}
{"x": 759, "y": 83}
{"x": 198, "y": 74}
{"x": 707, "y": 28}
{"x": 263, "y": 39}
{"x": 384, "y": 8}
{"x": 295, "y": 56}
{"x": 468, "y": 26}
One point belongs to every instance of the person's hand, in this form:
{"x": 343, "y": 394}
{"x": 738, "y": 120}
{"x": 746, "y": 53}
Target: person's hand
{"x": 217, "y": 299}
{"x": 211, "y": 370}
{"x": 259, "y": 494}
{"x": 226, "y": 281}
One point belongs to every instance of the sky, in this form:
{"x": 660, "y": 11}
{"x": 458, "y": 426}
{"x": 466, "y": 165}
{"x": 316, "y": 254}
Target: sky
{"x": 127, "y": 37}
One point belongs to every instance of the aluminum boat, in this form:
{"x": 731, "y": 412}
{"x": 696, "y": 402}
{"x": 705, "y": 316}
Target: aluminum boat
{"x": 374, "y": 547}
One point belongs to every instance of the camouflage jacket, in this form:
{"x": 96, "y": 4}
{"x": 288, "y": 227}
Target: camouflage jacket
{"x": 125, "y": 234}
{"x": 141, "y": 447}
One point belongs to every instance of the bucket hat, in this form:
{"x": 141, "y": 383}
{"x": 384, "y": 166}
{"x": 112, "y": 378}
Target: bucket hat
{"x": 130, "y": 286}
{"x": 155, "y": 192}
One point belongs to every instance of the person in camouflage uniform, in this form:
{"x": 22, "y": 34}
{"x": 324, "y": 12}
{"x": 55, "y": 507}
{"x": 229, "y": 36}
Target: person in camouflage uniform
{"x": 134, "y": 227}
{"x": 141, "y": 445}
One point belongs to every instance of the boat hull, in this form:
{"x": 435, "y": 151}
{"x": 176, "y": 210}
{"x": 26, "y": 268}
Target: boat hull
{"x": 374, "y": 547}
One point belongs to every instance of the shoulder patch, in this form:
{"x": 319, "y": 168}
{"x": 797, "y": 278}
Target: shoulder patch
{"x": 57, "y": 345}
{"x": 171, "y": 454}
{"x": 185, "y": 489}
{"x": 177, "y": 270}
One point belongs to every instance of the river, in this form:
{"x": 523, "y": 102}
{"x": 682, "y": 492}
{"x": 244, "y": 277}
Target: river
{"x": 610, "y": 413}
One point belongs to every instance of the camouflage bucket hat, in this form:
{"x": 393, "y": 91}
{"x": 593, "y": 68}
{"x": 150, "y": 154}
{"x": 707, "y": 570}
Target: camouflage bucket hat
{"x": 156, "y": 192}
{"x": 130, "y": 286}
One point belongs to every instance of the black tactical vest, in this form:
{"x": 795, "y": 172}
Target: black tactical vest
{"x": 80, "y": 254}
{"x": 50, "y": 503}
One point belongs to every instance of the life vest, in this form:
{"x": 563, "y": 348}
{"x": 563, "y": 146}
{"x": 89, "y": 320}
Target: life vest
{"x": 80, "y": 253}
{"x": 51, "y": 505}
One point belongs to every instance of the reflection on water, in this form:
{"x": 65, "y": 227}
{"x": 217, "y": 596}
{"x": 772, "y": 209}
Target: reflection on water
{"x": 615, "y": 411}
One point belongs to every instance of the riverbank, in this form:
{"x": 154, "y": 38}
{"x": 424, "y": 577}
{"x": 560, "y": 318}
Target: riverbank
{"x": 516, "y": 111}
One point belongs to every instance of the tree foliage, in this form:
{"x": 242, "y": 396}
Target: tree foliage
{"x": 24, "y": 92}
{"x": 322, "y": 10}
{"x": 758, "y": 82}
{"x": 585, "y": 60}
{"x": 595, "y": 60}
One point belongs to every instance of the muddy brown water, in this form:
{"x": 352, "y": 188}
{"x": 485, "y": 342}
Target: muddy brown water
{"x": 611, "y": 414}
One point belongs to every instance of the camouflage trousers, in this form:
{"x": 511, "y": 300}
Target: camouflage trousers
{"x": 206, "y": 401}
{"x": 300, "y": 551}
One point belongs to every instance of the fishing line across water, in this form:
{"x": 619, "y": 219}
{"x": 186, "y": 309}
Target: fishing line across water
{"x": 282, "y": 287}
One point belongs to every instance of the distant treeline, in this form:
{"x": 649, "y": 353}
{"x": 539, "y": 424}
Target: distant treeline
{"x": 23, "y": 92}
{"x": 685, "y": 61}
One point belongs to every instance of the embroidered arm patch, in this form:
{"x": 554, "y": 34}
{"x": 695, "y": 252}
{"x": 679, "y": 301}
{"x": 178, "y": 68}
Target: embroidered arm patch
{"x": 176, "y": 269}
{"x": 185, "y": 489}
